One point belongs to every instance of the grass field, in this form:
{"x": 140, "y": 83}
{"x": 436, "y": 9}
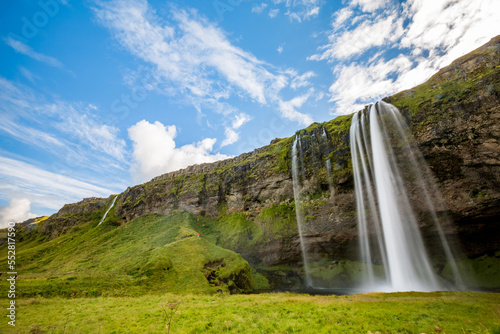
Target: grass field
{"x": 451, "y": 312}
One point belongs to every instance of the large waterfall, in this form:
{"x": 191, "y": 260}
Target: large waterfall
{"x": 395, "y": 199}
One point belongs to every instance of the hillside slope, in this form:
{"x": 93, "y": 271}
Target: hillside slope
{"x": 153, "y": 253}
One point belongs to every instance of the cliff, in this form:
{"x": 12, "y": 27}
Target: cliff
{"x": 455, "y": 118}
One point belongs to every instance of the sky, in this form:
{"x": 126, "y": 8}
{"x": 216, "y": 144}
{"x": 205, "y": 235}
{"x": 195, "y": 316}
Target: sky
{"x": 97, "y": 96}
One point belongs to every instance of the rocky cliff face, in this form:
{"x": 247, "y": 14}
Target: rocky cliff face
{"x": 455, "y": 118}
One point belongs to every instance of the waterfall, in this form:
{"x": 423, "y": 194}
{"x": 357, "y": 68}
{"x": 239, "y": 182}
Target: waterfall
{"x": 391, "y": 180}
{"x": 106, "y": 213}
{"x": 296, "y": 154}
{"x": 328, "y": 165}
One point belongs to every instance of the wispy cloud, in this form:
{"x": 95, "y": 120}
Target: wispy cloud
{"x": 289, "y": 108}
{"x": 71, "y": 134}
{"x": 300, "y": 10}
{"x": 29, "y": 135}
{"x": 259, "y": 8}
{"x": 299, "y": 81}
{"x": 377, "y": 47}
{"x": 156, "y": 152}
{"x": 80, "y": 125}
{"x": 57, "y": 127}
{"x": 230, "y": 130}
{"x": 40, "y": 186}
{"x": 273, "y": 13}
{"x": 28, "y": 51}
{"x": 192, "y": 57}
{"x": 28, "y": 74}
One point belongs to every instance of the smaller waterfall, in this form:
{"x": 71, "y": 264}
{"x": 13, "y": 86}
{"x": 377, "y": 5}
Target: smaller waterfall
{"x": 106, "y": 213}
{"x": 328, "y": 164}
{"x": 296, "y": 154}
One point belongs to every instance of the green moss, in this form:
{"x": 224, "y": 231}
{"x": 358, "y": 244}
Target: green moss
{"x": 481, "y": 272}
{"x": 278, "y": 220}
{"x": 236, "y": 232}
{"x": 309, "y": 218}
{"x": 261, "y": 282}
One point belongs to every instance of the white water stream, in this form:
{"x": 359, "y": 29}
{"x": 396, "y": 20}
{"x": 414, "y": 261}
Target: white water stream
{"x": 105, "y": 214}
{"x": 391, "y": 243}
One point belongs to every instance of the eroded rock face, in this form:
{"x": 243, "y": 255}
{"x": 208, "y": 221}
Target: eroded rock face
{"x": 455, "y": 118}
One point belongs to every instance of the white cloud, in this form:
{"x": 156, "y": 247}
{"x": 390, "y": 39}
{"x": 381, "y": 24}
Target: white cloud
{"x": 230, "y": 131}
{"x": 358, "y": 85}
{"x": 231, "y": 136}
{"x": 365, "y": 36}
{"x": 155, "y": 151}
{"x": 273, "y": 13}
{"x": 28, "y": 51}
{"x": 239, "y": 120}
{"x": 457, "y": 27}
{"x": 391, "y": 56}
{"x": 259, "y": 8}
{"x": 289, "y": 109}
{"x": 299, "y": 81}
{"x": 280, "y": 49}
{"x": 17, "y": 211}
{"x": 341, "y": 17}
{"x": 294, "y": 16}
{"x": 299, "y": 10}
{"x": 312, "y": 12}
{"x": 369, "y": 5}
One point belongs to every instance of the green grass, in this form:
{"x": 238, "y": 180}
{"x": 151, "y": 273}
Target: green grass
{"x": 453, "y": 312}
{"x": 153, "y": 253}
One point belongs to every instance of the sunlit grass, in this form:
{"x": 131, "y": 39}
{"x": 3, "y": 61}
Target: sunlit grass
{"x": 453, "y": 312}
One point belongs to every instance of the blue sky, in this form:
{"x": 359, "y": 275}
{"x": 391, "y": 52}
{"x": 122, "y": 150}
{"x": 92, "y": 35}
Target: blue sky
{"x": 96, "y": 96}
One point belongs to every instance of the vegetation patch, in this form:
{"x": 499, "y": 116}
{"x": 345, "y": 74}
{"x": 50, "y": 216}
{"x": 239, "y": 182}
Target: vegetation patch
{"x": 153, "y": 254}
{"x": 410, "y": 312}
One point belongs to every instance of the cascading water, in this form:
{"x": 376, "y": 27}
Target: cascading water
{"x": 310, "y": 158}
{"x": 298, "y": 205}
{"x": 387, "y": 166}
{"x": 106, "y": 213}
{"x": 328, "y": 164}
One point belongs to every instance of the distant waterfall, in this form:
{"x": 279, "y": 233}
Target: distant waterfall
{"x": 105, "y": 214}
{"x": 328, "y": 164}
{"x": 296, "y": 155}
{"x": 386, "y": 166}
{"x": 310, "y": 159}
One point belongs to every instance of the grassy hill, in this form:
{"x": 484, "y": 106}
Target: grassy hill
{"x": 153, "y": 253}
